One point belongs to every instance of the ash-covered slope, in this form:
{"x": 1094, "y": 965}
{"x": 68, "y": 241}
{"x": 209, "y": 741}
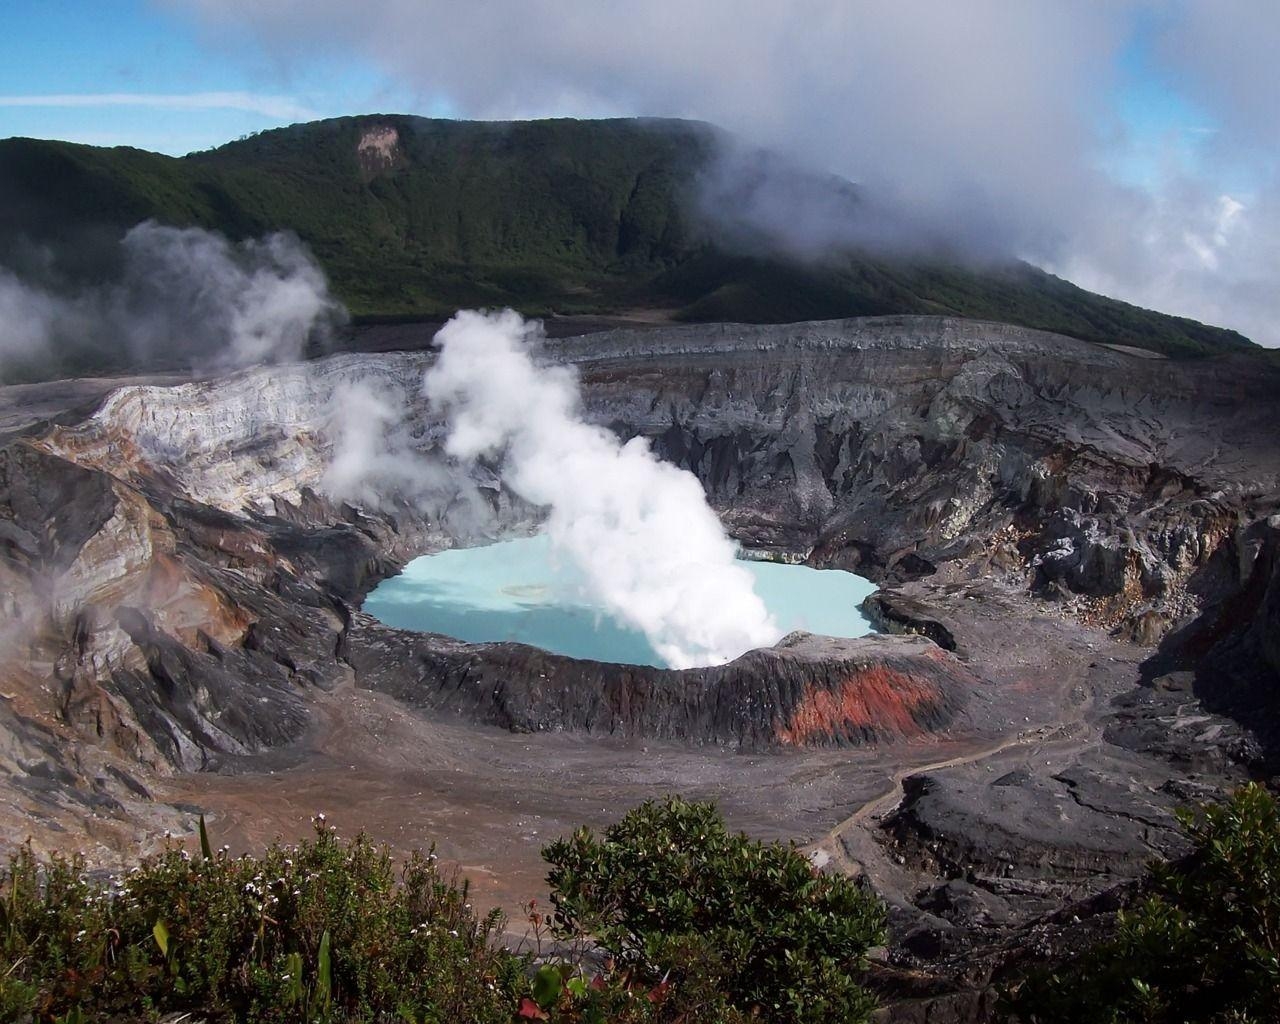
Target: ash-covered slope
{"x": 417, "y": 217}
{"x": 178, "y": 589}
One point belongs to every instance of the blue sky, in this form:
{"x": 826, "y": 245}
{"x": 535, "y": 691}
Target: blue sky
{"x": 1168, "y": 130}
{"x": 126, "y": 53}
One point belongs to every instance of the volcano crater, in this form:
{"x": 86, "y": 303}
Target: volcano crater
{"x": 1076, "y": 550}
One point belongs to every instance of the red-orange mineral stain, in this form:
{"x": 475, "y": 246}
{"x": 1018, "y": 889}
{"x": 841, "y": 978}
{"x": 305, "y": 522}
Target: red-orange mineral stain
{"x": 883, "y": 699}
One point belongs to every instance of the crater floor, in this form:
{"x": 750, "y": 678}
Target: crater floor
{"x": 1078, "y": 559}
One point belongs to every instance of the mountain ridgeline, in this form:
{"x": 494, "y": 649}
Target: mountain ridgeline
{"x": 413, "y": 218}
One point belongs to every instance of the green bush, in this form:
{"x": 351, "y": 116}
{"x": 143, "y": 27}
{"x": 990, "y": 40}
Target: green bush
{"x": 680, "y": 900}
{"x": 705, "y": 928}
{"x": 562, "y": 993}
{"x": 1204, "y": 945}
{"x": 324, "y": 931}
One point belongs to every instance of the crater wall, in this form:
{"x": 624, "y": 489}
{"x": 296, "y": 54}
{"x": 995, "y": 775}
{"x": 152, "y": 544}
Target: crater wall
{"x": 178, "y": 585}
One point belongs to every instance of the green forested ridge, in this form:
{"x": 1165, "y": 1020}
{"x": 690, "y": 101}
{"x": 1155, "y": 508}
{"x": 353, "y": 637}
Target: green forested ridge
{"x": 555, "y": 216}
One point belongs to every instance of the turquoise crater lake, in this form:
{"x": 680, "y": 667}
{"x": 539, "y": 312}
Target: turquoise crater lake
{"x": 522, "y": 590}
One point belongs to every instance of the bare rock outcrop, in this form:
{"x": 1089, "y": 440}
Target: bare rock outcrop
{"x": 178, "y": 587}
{"x": 806, "y": 691}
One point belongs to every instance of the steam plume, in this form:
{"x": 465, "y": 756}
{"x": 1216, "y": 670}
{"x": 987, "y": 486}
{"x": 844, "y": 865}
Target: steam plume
{"x": 180, "y": 297}
{"x": 640, "y": 531}
{"x": 26, "y": 318}
{"x": 375, "y": 460}
{"x": 256, "y": 302}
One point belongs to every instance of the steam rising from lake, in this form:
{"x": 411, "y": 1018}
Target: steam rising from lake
{"x": 647, "y": 546}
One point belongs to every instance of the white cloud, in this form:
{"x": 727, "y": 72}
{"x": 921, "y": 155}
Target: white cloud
{"x": 993, "y": 120}
{"x": 279, "y": 107}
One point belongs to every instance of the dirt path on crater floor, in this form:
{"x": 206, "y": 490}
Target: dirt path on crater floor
{"x": 490, "y": 799}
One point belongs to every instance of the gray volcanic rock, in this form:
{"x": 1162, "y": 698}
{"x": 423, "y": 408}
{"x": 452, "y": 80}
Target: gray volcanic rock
{"x": 1069, "y": 827}
{"x": 891, "y": 612}
{"x": 178, "y": 587}
{"x": 1233, "y": 649}
{"x": 806, "y": 691}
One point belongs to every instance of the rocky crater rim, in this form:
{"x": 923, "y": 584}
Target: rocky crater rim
{"x": 806, "y": 690}
{"x": 1051, "y": 524}
{"x": 951, "y": 458}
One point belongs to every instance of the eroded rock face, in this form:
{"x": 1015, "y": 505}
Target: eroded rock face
{"x": 893, "y": 444}
{"x": 178, "y": 583}
{"x": 379, "y": 150}
{"x": 806, "y": 691}
{"x": 1230, "y": 655}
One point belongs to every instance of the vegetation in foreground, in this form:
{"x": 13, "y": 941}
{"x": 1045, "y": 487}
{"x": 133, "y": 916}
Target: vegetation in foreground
{"x": 672, "y": 894}
{"x": 1203, "y": 946}
{"x": 326, "y": 930}
{"x": 703, "y": 925}
{"x": 697, "y": 924}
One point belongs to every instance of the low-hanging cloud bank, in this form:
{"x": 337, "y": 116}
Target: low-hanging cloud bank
{"x": 178, "y": 297}
{"x": 648, "y": 546}
{"x": 1001, "y": 125}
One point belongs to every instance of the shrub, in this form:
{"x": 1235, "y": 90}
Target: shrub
{"x": 325, "y": 931}
{"x": 682, "y": 902}
{"x": 1204, "y": 945}
{"x": 705, "y": 928}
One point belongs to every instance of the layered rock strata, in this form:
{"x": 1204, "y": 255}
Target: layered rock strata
{"x": 178, "y": 583}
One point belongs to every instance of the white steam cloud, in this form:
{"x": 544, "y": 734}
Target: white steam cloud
{"x": 649, "y": 547}
{"x": 365, "y": 464}
{"x": 180, "y": 296}
{"x": 256, "y": 302}
{"x": 27, "y": 318}
{"x": 375, "y": 460}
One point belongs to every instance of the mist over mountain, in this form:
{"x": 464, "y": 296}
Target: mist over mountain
{"x": 655, "y": 219}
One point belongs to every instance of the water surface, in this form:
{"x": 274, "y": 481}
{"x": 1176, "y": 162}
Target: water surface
{"x": 523, "y": 590}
